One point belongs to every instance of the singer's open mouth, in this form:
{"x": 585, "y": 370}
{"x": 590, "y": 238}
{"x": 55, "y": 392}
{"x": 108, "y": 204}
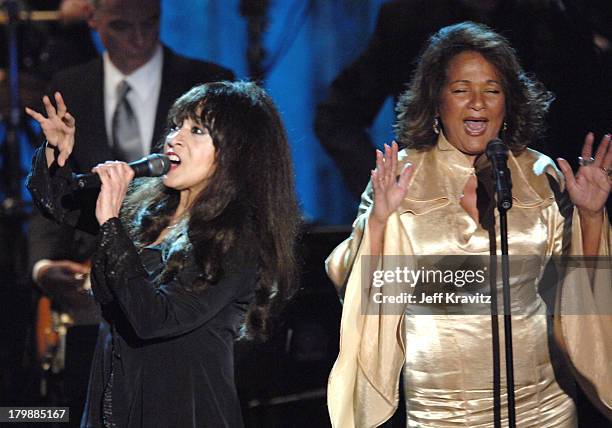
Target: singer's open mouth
{"x": 475, "y": 126}
{"x": 175, "y": 160}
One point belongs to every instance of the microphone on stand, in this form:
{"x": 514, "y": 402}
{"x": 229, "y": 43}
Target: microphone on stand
{"x": 497, "y": 152}
{"x": 153, "y": 165}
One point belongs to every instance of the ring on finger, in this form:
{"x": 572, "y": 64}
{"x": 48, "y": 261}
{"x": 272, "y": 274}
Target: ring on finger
{"x": 585, "y": 162}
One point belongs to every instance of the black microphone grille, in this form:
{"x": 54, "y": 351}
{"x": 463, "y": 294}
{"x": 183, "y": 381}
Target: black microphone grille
{"x": 496, "y": 147}
{"x": 158, "y": 164}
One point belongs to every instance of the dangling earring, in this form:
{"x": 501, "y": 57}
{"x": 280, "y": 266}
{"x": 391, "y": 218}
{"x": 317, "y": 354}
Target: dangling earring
{"x": 505, "y": 127}
{"x": 436, "y": 126}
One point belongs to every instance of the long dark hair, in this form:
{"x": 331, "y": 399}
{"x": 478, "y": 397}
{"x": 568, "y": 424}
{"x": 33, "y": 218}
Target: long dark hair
{"x": 249, "y": 198}
{"x": 527, "y": 100}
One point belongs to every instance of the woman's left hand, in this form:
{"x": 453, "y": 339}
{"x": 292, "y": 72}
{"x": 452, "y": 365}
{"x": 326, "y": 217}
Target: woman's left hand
{"x": 590, "y": 187}
{"x": 115, "y": 177}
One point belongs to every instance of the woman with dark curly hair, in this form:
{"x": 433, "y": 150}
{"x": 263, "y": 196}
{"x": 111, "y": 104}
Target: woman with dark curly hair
{"x": 183, "y": 259}
{"x": 436, "y": 198}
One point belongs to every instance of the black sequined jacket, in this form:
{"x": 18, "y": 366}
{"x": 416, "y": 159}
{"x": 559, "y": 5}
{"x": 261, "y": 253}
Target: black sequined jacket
{"x": 164, "y": 355}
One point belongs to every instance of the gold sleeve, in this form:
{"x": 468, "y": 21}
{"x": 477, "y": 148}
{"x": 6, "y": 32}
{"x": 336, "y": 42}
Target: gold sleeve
{"x": 340, "y": 262}
{"x": 583, "y": 310}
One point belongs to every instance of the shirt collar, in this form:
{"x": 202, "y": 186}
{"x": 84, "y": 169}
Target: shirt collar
{"x": 142, "y": 80}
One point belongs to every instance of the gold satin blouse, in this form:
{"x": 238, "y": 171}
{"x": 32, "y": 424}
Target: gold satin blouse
{"x": 447, "y": 359}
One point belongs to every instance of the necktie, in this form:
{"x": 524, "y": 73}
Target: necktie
{"x": 127, "y": 144}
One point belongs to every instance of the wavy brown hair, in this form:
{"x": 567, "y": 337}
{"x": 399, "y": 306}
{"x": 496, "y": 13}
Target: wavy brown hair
{"x": 527, "y": 101}
{"x": 249, "y": 199}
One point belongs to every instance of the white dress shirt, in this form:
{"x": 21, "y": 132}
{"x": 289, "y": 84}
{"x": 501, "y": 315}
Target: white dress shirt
{"x": 143, "y": 97}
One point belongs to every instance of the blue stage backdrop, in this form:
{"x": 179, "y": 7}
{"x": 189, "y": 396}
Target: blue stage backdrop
{"x": 316, "y": 40}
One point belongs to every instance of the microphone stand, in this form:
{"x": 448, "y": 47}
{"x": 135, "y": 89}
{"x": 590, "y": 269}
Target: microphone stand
{"x": 13, "y": 214}
{"x": 503, "y": 227}
{"x": 12, "y": 207}
{"x": 497, "y": 153}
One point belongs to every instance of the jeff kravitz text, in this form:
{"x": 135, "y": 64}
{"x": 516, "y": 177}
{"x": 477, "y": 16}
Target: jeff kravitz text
{"x": 407, "y": 278}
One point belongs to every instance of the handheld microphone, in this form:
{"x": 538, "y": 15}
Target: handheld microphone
{"x": 497, "y": 152}
{"x": 153, "y": 165}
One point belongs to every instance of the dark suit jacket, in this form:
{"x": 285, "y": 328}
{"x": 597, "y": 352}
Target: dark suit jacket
{"x": 82, "y": 87}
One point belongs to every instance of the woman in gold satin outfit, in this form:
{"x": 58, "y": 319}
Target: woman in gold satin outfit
{"x": 468, "y": 89}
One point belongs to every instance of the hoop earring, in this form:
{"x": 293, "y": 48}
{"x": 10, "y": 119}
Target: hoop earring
{"x": 436, "y": 126}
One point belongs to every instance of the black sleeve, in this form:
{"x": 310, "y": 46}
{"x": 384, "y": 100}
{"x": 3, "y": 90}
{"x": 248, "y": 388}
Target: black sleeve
{"x": 50, "y": 188}
{"x": 158, "y": 311}
{"x": 53, "y": 194}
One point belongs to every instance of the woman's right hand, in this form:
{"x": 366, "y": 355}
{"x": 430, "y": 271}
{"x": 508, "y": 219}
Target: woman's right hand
{"x": 59, "y": 126}
{"x": 389, "y": 190}
{"x": 115, "y": 177}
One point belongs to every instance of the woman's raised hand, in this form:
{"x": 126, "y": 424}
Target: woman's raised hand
{"x": 59, "y": 126}
{"x": 389, "y": 190}
{"x": 115, "y": 177}
{"x": 590, "y": 187}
